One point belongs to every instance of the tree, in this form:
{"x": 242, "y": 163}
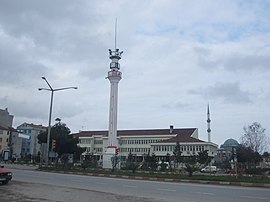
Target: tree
{"x": 266, "y": 155}
{"x": 65, "y": 143}
{"x": 203, "y": 158}
{"x": 255, "y": 138}
{"x": 151, "y": 162}
{"x": 168, "y": 159}
{"x": 131, "y": 163}
{"x": 191, "y": 164}
{"x": 115, "y": 161}
{"x": 90, "y": 160}
{"x": 177, "y": 153}
{"x": 247, "y": 156}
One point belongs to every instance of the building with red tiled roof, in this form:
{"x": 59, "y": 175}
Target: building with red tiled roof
{"x": 141, "y": 142}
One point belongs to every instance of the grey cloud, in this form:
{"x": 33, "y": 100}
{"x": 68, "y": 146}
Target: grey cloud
{"x": 37, "y": 109}
{"x": 61, "y": 30}
{"x": 175, "y": 105}
{"x": 227, "y": 92}
{"x": 254, "y": 62}
{"x": 23, "y": 108}
{"x": 16, "y": 65}
{"x": 234, "y": 61}
{"x": 205, "y": 58}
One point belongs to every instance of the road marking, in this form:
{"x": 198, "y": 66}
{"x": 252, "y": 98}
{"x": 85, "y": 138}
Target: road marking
{"x": 166, "y": 190}
{"x": 254, "y": 197}
{"x": 205, "y": 193}
{"x": 129, "y": 186}
{"x": 76, "y": 180}
{"x": 101, "y": 183}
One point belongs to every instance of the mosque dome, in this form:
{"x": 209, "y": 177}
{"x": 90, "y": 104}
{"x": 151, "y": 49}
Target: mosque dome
{"x": 230, "y": 143}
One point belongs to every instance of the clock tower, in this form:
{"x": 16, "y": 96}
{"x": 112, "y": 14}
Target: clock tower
{"x": 111, "y": 149}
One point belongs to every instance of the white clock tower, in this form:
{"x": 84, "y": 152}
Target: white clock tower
{"x": 111, "y": 150}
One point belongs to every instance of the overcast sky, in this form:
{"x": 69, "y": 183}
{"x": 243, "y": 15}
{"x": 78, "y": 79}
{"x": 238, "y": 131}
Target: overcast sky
{"x": 178, "y": 57}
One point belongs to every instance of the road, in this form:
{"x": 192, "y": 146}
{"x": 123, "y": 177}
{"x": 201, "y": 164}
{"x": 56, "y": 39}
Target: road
{"x": 43, "y": 186}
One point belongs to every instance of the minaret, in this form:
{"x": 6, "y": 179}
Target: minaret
{"x": 114, "y": 75}
{"x": 208, "y": 124}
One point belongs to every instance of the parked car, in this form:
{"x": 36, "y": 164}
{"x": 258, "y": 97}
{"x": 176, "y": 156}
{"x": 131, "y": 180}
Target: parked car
{"x": 5, "y": 175}
{"x": 163, "y": 165}
{"x": 209, "y": 169}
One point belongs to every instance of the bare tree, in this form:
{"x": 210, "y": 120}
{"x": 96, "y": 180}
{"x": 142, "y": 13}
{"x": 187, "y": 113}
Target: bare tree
{"x": 255, "y": 138}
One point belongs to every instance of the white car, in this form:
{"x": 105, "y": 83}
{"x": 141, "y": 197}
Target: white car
{"x": 209, "y": 169}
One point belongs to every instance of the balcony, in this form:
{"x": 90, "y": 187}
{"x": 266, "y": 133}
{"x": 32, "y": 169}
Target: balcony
{"x": 114, "y": 73}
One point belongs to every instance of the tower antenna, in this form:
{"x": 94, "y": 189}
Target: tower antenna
{"x": 115, "y": 33}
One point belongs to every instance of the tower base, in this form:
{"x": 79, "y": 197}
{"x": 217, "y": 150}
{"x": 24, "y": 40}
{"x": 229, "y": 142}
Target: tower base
{"x": 110, "y": 158}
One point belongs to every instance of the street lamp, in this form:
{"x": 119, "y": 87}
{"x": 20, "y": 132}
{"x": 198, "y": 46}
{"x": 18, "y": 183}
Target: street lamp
{"x": 50, "y": 115}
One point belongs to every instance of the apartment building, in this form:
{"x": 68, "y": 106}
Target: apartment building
{"x": 6, "y": 132}
{"x": 4, "y": 139}
{"x": 29, "y": 133}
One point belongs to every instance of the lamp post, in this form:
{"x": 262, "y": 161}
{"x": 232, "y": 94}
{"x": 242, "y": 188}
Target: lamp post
{"x": 50, "y": 115}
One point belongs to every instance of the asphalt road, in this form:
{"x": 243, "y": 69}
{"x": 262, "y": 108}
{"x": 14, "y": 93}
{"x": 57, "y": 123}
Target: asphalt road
{"x": 43, "y": 186}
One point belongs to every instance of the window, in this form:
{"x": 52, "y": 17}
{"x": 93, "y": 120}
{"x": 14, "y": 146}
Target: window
{"x": 1, "y": 131}
{"x": 85, "y": 141}
{"x": 0, "y": 139}
{"x": 99, "y": 149}
{"x": 98, "y": 142}
{"x": 123, "y": 149}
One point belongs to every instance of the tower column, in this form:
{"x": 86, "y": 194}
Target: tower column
{"x": 114, "y": 77}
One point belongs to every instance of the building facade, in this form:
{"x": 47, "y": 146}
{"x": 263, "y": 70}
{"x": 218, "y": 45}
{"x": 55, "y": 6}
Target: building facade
{"x": 142, "y": 142}
{"x": 6, "y": 119}
{"x": 29, "y": 133}
{"x": 4, "y": 139}
{"x": 7, "y": 132}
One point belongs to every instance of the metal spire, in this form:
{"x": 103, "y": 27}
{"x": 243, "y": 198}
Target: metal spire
{"x": 115, "y": 34}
